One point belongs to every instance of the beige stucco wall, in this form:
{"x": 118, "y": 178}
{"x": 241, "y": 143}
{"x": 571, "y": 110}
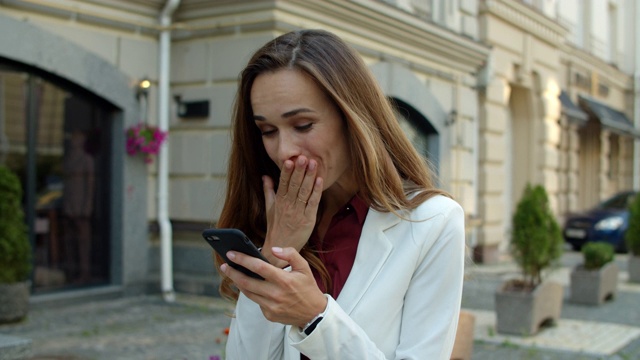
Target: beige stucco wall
{"x": 206, "y": 68}
{"x": 523, "y": 135}
{"x": 135, "y": 54}
{"x": 132, "y": 52}
{"x": 205, "y": 65}
{"x": 484, "y": 160}
{"x": 520, "y": 133}
{"x": 199, "y": 146}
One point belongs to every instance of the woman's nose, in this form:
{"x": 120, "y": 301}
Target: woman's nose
{"x": 288, "y": 149}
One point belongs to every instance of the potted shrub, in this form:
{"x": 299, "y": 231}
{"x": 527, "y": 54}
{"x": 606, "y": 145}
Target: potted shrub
{"x": 523, "y": 305}
{"x": 15, "y": 250}
{"x": 632, "y": 239}
{"x": 596, "y": 280}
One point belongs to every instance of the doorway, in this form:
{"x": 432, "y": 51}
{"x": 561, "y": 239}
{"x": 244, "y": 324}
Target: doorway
{"x": 56, "y": 138}
{"x": 589, "y": 164}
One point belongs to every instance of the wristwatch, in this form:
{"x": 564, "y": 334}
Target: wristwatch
{"x": 311, "y": 325}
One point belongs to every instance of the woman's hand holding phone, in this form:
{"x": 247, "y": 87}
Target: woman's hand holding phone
{"x": 225, "y": 240}
{"x": 292, "y": 296}
{"x": 288, "y": 297}
{"x": 292, "y": 211}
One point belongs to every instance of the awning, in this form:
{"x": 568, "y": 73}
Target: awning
{"x": 570, "y": 109}
{"x": 610, "y": 118}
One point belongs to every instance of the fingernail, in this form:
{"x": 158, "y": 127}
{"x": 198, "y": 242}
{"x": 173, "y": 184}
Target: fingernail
{"x": 301, "y": 161}
{"x": 312, "y": 165}
{"x": 276, "y": 249}
{"x": 288, "y": 164}
{"x": 223, "y": 268}
{"x": 231, "y": 255}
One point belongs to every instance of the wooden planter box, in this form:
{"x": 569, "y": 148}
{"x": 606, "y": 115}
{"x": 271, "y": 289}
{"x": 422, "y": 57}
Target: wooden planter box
{"x": 14, "y": 301}
{"x": 463, "y": 345}
{"x": 594, "y": 287}
{"x": 633, "y": 265}
{"x": 523, "y": 313}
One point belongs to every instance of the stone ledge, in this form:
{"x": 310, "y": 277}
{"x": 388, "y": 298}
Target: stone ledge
{"x": 14, "y": 348}
{"x": 585, "y": 337}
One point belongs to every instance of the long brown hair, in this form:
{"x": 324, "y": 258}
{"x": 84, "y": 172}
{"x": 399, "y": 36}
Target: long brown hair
{"x": 393, "y": 176}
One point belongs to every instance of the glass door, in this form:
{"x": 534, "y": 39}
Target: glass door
{"x": 56, "y": 139}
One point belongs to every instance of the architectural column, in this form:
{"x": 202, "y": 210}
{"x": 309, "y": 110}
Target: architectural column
{"x": 493, "y": 116}
{"x": 625, "y": 163}
{"x": 573, "y": 166}
{"x": 550, "y": 139}
{"x": 564, "y": 158}
{"x": 616, "y": 166}
{"x": 605, "y": 150}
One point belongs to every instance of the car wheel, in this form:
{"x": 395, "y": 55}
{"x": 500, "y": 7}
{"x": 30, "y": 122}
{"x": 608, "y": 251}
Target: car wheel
{"x": 576, "y": 247}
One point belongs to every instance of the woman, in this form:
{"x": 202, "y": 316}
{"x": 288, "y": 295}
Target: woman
{"x": 366, "y": 255}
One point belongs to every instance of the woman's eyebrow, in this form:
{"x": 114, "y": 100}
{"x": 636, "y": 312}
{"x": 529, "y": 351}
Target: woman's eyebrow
{"x": 285, "y": 115}
{"x": 296, "y": 112}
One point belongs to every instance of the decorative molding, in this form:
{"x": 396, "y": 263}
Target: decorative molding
{"x": 126, "y": 19}
{"x": 395, "y": 29}
{"x": 616, "y": 78}
{"x": 379, "y": 29}
{"x": 527, "y": 19}
{"x": 376, "y": 29}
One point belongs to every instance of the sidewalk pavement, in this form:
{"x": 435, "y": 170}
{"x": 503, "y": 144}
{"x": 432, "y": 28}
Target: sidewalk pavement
{"x": 609, "y": 331}
{"x": 146, "y": 327}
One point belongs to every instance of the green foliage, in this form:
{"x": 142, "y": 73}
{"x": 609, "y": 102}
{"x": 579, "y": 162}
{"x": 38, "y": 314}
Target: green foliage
{"x": 536, "y": 240}
{"x": 15, "y": 250}
{"x": 632, "y": 236}
{"x": 597, "y": 254}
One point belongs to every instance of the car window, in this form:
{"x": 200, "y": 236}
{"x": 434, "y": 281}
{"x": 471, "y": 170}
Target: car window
{"x": 620, "y": 201}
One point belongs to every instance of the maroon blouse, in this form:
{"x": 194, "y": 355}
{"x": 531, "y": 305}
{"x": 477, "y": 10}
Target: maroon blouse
{"x": 338, "y": 248}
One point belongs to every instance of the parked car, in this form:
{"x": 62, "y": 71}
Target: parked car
{"x": 607, "y": 222}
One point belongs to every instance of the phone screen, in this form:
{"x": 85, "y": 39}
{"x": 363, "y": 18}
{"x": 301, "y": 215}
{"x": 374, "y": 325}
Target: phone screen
{"x": 224, "y": 240}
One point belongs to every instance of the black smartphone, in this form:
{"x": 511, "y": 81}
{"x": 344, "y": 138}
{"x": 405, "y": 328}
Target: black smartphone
{"x": 223, "y": 240}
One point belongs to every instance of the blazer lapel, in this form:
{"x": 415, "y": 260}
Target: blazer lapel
{"x": 373, "y": 250}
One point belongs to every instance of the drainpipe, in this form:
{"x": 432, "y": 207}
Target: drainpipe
{"x": 636, "y": 107}
{"x": 166, "y": 256}
{"x": 636, "y": 116}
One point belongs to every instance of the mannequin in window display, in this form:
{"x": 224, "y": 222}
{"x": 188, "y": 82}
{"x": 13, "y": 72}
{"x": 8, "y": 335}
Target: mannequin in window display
{"x": 77, "y": 207}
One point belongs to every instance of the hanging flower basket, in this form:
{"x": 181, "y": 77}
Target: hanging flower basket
{"x": 146, "y": 139}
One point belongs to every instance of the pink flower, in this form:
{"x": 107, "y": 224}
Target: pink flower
{"x": 145, "y": 139}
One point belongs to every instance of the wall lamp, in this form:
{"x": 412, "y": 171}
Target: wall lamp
{"x": 143, "y": 88}
{"x": 143, "y": 92}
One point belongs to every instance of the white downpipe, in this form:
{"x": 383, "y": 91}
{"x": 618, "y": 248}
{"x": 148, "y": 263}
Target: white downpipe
{"x": 636, "y": 99}
{"x": 636, "y": 115}
{"x": 166, "y": 232}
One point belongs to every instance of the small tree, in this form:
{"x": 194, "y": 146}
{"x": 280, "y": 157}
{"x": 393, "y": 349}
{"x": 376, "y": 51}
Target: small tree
{"x": 597, "y": 254}
{"x": 536, "y": 240}
{"x": 15, "y": 250}
{"x": 632, "y": 236}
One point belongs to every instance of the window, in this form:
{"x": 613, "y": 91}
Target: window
{"x": 57, "y": 140}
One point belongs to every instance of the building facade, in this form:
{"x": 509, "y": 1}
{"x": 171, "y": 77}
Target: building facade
{"x": 557, "y": 109}
{"x": 495, "y": 93}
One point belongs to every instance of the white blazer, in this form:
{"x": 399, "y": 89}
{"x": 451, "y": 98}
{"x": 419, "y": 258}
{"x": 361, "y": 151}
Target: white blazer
{"x": 400, "y": 301}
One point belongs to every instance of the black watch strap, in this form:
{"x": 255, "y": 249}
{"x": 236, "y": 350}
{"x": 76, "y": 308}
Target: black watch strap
{"x": 309, "y": 329}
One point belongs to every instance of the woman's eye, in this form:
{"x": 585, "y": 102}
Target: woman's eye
{"x": 267, "y": 132}
{"x": 304, "y": 127}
